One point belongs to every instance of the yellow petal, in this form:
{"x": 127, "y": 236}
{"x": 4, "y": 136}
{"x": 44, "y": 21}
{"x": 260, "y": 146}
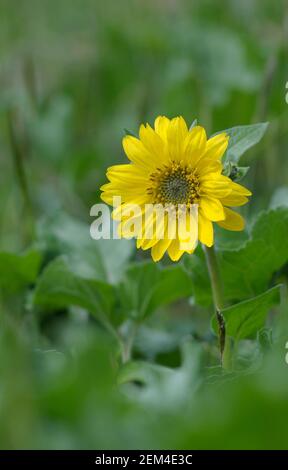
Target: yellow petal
{"x": 160, "y": 248}
{"x": 216, "y": 176}
{"x": 127, "y": 173}
{"x": 139, "y": 242}
{"x": 171, "y": 227}
{"x": 160, "y": 226}
{"x": 125, "y": 169}
{"x": 127, "y": 226}
{"x": 153, "y": 143}
{"x": 187, "y": 231}
{"x": 239, "y": 189}
{"x": 130, "y": 198}
{"x": 195, "y": 143}
{"x": 147, "y": 230}
{"x": 106, "y": 187}
{"x": 234, "y": 200}
{"x": 137, "y": 153}
{"x": 233, "y": 221}
{"x": 161, "y": 125}
{"x": 205, "y": 230}
{"x": 176, "y": 134}
{"x": 129, "y": 183}
{"x": 215, "y": 188}
{"x": 212, "y": 208}
{"x": 216, "y": 146}
{"x": 147, "y": 244}
{"x": 153, "y": 230}
{"x": 206, "y": 166}
{"x": 174, "y": 250}
{"x": 107, "y": 197}
{"x": 124, "y": 211}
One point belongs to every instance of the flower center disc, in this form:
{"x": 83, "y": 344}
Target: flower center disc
{"x": 174, "y": 185}
{"x": 175, "y": 189}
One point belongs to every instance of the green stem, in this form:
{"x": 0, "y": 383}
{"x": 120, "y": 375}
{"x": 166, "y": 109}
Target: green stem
{"x": 216, "y": 284}
{"x": 18, "y": 155}
{"x": 218, "y": 299}
{"x": 18, "y": 159}
{"x": 30, "y": 80}
{"x": 128, "y": 344}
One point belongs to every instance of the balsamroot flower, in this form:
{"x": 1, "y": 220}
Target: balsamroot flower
{"x": 175, "y": 167}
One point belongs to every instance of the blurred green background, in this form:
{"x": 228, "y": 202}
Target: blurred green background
{"x": 73, "y": 76}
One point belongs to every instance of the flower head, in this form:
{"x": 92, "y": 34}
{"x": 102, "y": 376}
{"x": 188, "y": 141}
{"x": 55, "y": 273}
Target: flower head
{"x": 175, "y": 167}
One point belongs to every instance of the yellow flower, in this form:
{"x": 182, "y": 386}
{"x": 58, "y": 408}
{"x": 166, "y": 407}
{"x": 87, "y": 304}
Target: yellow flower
{"x": 174, "y": 166}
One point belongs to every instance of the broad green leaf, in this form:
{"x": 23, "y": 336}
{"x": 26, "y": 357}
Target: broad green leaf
{"x": 243, "y": 138}
{"x": 143, "y": 372}
{"x": 59, "y": 287}
{"x": 147, "y": 286}
{"x": 279, "y": 198}
{"x": 246, "y": 318}
{"x": 18, "y": 271}
{"x": 227, "y": 240}
{"x": 158, "y": 381}
{"x": 94, "y": 259}
{"x": 247, "y": 270}
{"x": 197, "y": 270}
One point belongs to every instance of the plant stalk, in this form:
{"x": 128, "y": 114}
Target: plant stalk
{"x": 216, "y": 284}
{"x": 18, "y": 155}
{"x": 128, "y": 344}
{"x": 18, "y": 158}
{"x": 218, "y": 299}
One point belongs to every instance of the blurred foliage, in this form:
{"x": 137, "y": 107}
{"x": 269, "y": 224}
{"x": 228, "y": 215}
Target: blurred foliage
{"x": 100, "y": 348}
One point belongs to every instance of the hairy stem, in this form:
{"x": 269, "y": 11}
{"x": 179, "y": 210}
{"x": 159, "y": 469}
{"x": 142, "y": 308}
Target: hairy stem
{"x": 217, "y": 291}
{"x": 128, "y": 344}
{"x": 216, "y": 284}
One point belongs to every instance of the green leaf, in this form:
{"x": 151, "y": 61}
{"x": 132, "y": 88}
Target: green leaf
{"x": 175, "y": 384}
{"x": 246, "y": 318}
{"x": 248, "y": 269}
{"x": 235, "y": 172}
{"x": 265, "y": 339}
{"x": 243, "y": 138}
{"x": 127, "y": 132}
{"x": 49, "y": 130}
{"x": 241, "y": 172}
{"x": 147, "y": 286}
{"x": 60, "y": 287}
{"x": 279, "y": 198}
{"x": 226, "y": 239}
{"x": 196, "y": 268}
{"x": 209, "y": 47}
{"x": 18, "y": 271}
{"x": 94, "y": 259}
{"x": 194, "y": 123}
